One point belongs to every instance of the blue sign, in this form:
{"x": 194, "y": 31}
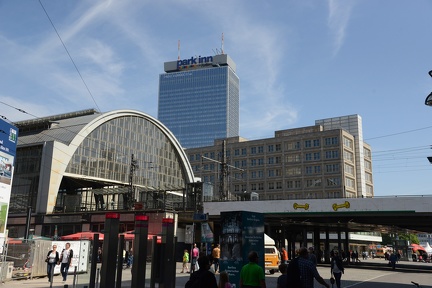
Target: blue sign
{"x": 8, "y": 138}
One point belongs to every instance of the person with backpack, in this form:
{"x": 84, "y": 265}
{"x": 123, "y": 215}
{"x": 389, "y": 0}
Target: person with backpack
{"x": 202, "y": 278}
{"x": 302, "y": 272}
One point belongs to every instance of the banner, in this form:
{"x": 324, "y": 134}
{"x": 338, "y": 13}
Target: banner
{"x": 8, "y": 143}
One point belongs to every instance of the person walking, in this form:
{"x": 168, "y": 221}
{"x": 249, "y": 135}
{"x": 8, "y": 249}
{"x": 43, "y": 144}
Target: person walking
{"x": 337, "y": 268}
{"x": 312, "y": 256}
{"x": 284, "y": 255}
{"x": 251, "y": 274}
{"x": 52, "y": 259}
{"x": 393, "y": 260}
{"x": 195, "y": 254}
{"x": 308, "y": 270}
{"x": 216, "y": 257}
{"x": 202, "y": 278}
{"x": 185, "y": 261}
{"x": 65, "y": 260}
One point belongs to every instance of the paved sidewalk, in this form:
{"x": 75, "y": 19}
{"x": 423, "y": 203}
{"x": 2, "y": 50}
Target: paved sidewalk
{"x": 369, "y": 273}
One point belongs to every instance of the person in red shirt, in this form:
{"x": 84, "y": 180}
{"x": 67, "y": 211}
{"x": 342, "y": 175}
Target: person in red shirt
{"x": 284, "y": 256}
{"x": 195, "y": 254}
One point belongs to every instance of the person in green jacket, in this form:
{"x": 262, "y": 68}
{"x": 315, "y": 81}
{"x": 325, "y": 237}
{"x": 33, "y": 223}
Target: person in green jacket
{"x": 185, "y": 262}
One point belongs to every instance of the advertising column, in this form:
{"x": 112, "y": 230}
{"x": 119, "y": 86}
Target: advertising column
{"x": 8, "y": 143}
{"x": 242, "y": 232}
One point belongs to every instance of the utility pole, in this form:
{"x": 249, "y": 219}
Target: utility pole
{"x": 223, "y": 173}
{"x": 130, "y": 198}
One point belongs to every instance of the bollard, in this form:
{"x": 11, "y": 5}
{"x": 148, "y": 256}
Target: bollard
{"x": 75, "y": 277}
{"x": 97, "y": 277}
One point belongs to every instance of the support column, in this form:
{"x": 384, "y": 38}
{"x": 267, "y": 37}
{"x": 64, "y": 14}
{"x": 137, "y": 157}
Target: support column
{"x": 327, "y": 246}
{"x": 316, "y": 243}
{"x": 110, "y": 245}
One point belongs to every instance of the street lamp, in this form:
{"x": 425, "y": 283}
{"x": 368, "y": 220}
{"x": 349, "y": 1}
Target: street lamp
{"x": 428, "y": 100}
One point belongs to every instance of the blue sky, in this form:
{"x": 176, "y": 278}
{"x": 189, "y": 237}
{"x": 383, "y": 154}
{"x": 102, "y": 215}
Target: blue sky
{"x": 298, "y": 61}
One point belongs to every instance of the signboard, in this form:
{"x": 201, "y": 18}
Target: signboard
{"x": 242, "y": 232}
{"x": 8, "y": 143}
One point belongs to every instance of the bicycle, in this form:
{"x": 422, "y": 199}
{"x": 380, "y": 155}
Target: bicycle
{"x": 416, "y": 284}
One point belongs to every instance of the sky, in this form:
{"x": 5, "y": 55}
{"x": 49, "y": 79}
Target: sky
{"x": 298, "y": 61}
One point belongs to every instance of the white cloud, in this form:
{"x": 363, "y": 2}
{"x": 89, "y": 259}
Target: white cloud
{"x": 338, "y": 18}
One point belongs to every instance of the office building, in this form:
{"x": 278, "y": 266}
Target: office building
{"x": 327, "y": 160}
{"x": 199, "y": 99}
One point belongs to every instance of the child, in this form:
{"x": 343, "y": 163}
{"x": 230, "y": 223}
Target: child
{"x": 185, "y": 261}
{"x": 282, "y": 279}
{"x": 224, "y": 280}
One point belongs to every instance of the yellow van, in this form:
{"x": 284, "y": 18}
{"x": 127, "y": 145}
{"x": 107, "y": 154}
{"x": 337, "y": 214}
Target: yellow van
{"x": 272, "y": 259}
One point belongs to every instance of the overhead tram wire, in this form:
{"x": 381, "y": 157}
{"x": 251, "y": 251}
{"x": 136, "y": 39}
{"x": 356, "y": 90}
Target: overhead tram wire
{"x": 70, "y": 57}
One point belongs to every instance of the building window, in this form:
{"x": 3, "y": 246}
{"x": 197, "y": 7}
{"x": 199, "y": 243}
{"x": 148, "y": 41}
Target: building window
{"x": 349, "y": 183}
{"x": 332, "y": 168}
{"x": 292, "y": 146}
{"x": 317, "y": 169}
{"x": 260, "y": 186}
{"x": 278, "y": 185}
{"x": 316, "y": 143}
{"x": 260, "y": 174}
{"x": 331, "y": 141}
{"x": 308, "y": 170}
{"x": 271, "y": 186}
{"x": 348, "y": 143}
{"x": 271, "y": 173}
{"x": 260, "y": 149}
{"x": 335, "y": 181}
{"x": 298, "y": 184}
{"x": 308, "y": 156}
{"x": 243, "y": 151}
{"x": 192, "y": 158}
{"x": 253, "y": 187}
{"x": 367, "y": 153}
{"x": 293, "y": 171}
{"x": 243, "y": 163}
{"x": 290, "y": 184}
{"x": 332, "y": 154}
{"x": 278, "y": 147}
{"x": 293, "y": 158}
{"x": 308, "y": 143}
{"x": 348, "y": 156}
{"x": 317, "y": 156}
{"x": 253, "y": 150}
{"x": 253, "y": 174}
{"x": 260, "y": 161}
{"x": 349, "y": 169}
{"x": 278, "y": 159}
{"x": 253, "y": 162}
{"x": 236, "y": 152}
{"x": 270, "y": 160}
{"x": 270, "y": 148}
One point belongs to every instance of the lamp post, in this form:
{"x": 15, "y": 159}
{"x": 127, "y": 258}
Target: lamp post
{"x": 428, "y": 100}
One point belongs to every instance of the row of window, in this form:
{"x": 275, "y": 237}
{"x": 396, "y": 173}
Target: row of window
{"x": 296, "y": 145}
{"x": 289, "y": 171}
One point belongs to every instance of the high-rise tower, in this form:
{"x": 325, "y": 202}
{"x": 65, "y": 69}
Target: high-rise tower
{"x": 199, "y": 99}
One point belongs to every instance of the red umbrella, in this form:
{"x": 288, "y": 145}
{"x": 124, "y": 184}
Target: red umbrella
{"x": 416, "y": 247}
{"x": 83, "y": 236}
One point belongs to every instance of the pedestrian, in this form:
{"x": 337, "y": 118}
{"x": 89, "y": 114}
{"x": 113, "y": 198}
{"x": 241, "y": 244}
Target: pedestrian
{"x": 308, "y": 270}
{"x": 185, "y": 261}
{"x": 251, "y": 274}
{"x": 99, "y": 255}
{"x": 195, "y": 254}
{"x": 312, "y": 256}
{"x": 202, "y": 278}
{"x": 52, "y": 259}
{"x": 216, "y": 257}
{"x": 224, "y": 280}
{"x": 284, "y": 255}
{"x": 282, "y": 279}
{"x": 336, "y": 268}
{"x": 65, "y": 260}
{"x": 393, "y": 260}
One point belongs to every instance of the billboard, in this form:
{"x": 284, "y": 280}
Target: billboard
{"x": 8, "y": 143}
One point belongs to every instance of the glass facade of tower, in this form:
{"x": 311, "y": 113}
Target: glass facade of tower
{"x": 200, "y": 105}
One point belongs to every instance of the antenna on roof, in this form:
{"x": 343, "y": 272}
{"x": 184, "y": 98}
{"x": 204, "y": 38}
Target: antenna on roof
{"x": 178, "y": 50}
{"x": 222, "y": 44}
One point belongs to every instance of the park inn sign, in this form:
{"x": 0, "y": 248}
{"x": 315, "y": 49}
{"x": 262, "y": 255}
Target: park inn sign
{"x": 194, "y": 61}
